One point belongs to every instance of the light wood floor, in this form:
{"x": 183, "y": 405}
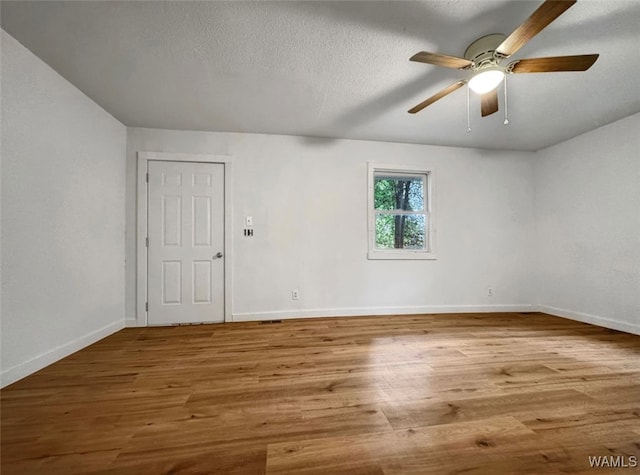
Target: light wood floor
{"x": 490, "y": 393}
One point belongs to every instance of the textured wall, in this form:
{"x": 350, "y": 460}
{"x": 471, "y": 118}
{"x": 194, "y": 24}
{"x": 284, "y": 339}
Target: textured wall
{"x": 63, "y": 175}
{"x": 588, "y": 215}
{"x": 308, "y": 200}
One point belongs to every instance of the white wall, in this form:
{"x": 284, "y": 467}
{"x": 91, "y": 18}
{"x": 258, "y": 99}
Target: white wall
{"x": 308, "y": 200}
{"x": 63, "y": 175}
{"x": 588, "y": 215}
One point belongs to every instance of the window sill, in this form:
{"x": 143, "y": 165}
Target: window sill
{"x": 401, "y": 255}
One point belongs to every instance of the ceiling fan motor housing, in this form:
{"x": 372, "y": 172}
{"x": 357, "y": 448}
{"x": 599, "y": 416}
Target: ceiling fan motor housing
{"x": 482, "y": 52}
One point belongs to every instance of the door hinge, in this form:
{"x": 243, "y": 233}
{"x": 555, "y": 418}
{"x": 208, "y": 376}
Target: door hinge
{"x": 147, "y": 178}
{"x": 146, "y": 242}
{"x": 146, "y": 306}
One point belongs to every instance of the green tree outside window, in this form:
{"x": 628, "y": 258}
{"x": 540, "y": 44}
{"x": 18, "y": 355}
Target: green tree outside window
{"x": 399, "y": 202}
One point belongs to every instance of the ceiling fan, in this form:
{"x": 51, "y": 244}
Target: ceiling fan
{"x": 484, "y": 55}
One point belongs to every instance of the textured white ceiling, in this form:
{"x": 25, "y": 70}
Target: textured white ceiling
{"x": 332, "y": 69}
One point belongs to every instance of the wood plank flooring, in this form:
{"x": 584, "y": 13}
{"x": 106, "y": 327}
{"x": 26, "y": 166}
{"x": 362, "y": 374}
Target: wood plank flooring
{"x": 463, "y": 393}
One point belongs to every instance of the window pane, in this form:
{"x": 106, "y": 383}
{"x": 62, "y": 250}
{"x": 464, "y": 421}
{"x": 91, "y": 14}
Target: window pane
{"x": 399, "y": 192}
{"x": 400, "y": 231}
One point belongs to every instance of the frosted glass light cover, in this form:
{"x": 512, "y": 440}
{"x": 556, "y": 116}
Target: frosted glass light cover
{"x": 486, "y": 81}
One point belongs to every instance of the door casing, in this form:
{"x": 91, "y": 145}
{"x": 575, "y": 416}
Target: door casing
{"x": 142, "y": 227}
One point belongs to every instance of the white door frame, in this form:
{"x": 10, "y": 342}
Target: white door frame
{"x": 142, "y": 228}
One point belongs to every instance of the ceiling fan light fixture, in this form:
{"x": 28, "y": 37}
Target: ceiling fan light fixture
{"x": 483, "y": 56}
{"x": 486, "y": 80}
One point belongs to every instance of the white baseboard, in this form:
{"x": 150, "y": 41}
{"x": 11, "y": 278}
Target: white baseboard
{"x": 591, "y": 319}
{"x": 19, "y": 371}
{"x": 365, "y": 311}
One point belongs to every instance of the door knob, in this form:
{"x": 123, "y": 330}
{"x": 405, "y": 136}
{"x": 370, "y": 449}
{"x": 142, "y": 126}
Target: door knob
{"x": 218, "y": 255}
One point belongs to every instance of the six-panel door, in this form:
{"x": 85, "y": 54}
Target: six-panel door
{"x": 186, "y": 242}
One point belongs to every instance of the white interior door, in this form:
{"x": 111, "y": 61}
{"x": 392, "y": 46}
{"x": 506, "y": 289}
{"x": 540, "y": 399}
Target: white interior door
{"x": 186, "y": 242}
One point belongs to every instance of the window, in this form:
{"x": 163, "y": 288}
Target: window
{"x": 401, "y": 222}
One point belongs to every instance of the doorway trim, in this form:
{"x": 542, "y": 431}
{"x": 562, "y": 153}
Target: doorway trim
{"x": 142, "y": 228}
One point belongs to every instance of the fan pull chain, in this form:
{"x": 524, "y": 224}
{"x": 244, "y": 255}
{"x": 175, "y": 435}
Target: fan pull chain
{"x": 468, "y": 111}
{"x": 506, "y": 105}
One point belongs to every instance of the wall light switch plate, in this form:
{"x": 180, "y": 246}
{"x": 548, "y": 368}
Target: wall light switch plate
{"x": 249, "y": 221}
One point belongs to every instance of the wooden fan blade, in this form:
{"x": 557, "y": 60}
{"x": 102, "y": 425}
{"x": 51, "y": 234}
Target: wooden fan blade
{"x": 435, "y": 97}
{"x": 489, "y": 102}
{"x": 440, "y": 60}
{"x": 553, "y": 64}
{"x": 545, "y": 14}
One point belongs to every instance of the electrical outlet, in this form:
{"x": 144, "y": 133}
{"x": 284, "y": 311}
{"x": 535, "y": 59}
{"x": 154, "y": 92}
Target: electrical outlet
{"x": 295, "y": 294}
{"x": 489, "y": 291}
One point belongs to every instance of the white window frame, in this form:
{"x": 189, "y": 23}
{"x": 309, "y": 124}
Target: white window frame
{"x": 429, "y": 195}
